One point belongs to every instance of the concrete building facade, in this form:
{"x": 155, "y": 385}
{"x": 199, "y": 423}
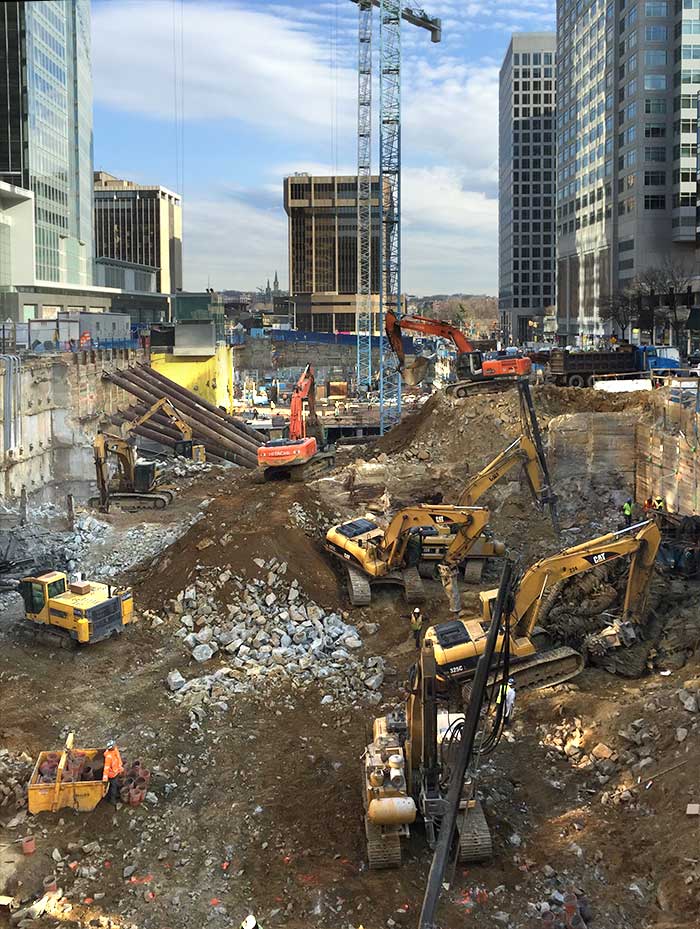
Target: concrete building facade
{"x": 322, "y": 242}
{"x": 628, "y": 78}
{"x": 140, "y": 225}
{"x": 526, "y": 180}
{"x": 17, "y": 244}
{"x": 46, "y": 129}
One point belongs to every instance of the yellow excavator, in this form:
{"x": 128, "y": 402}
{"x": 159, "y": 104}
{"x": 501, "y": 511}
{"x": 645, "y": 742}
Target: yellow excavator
{"x": 534, "y": 662}
{"x": 373, "y": 555}
{"x": 415, "y": 766}
{"x": 136, "y": 480}
{"x": 184, "y": 447}
{"x": 521, "y": 453}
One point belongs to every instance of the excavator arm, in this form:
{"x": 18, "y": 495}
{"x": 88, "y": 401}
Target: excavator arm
{"x": 640, "y": 543}
{"x": 523, "y": 453}
{"x": 425, "y": 326}
{"x": 466, "y": 523}
{"x": 304, "y": 389}
{"x": 105, "y": 444}
{"x": 163, "y": 406}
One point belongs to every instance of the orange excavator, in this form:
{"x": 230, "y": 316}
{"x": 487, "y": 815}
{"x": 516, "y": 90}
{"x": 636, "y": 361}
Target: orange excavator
{"x": 472, "y": 369}
{"x": 303, "y": 454}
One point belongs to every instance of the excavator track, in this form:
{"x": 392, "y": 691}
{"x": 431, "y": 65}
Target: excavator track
{"x": 157, "y": 500}
{"x": 319, "y": 464}
{"x": 414, "y": 591}
{"x": 469, "y": 388}
{"x": 546, "y": 668}
{"x": 359, "y": 589}
{"x": 475, "y": 843}
{"x": 473, "y": 569}
{"x": 383, "y": 848}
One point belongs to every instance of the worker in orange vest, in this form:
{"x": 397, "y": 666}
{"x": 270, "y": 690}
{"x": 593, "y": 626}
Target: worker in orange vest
{"x": 114, "y": 767}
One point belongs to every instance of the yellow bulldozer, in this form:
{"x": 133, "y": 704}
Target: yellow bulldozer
{"x": 78, "y": 613}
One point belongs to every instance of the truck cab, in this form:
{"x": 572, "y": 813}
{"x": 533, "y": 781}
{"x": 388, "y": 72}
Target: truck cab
{"x": 655, "y": 358}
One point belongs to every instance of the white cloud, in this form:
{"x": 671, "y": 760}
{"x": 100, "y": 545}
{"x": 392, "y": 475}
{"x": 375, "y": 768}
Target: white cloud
{"x": 231, "y": 244}
{"x": 252, "y": 73}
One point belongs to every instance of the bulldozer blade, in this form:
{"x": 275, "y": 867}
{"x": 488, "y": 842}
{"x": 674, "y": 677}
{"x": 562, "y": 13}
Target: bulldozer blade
{"x": 414, "y": 371}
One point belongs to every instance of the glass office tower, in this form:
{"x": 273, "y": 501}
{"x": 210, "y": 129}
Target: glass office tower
{"x": 46, "y": 142}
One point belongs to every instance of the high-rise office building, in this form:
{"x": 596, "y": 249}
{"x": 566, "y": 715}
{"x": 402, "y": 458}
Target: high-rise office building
{"x": 628, "y": 75}
{"x": 323, "y": 260}
{"x": 526, "y": 183}
{"x": 46, "y": 129}
{"x": 138, "y": 225}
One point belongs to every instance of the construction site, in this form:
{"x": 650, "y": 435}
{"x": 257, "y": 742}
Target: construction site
{"x": 417, "y": 644}
{"x": 235, "y": 612}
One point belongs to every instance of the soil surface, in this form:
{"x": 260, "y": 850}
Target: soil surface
{"x": 258, "y": 809}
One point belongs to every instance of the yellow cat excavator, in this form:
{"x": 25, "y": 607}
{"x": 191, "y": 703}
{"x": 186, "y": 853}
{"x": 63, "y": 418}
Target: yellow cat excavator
{"x": 521, "y": 453}
{"x": 412, "y": 768}
{"x": 534, "y": 662}
{"x": 373, "y": 555}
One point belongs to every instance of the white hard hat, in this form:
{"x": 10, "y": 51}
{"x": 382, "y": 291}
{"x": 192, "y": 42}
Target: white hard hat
{"x": 111, "y": 743}
{"x": 511, "y": 680}
{"x": 416, "y": 610}
{"x": 250, "y": 922}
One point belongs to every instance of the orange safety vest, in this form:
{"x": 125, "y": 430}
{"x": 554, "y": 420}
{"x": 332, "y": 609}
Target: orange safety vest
{"x": 113, "y": 764}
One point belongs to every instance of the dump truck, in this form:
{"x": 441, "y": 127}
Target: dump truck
{"x": 580, "y": 369}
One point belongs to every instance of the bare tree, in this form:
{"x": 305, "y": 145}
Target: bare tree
{"x": 668, "y": 283}
{"x": 621, "y": 309}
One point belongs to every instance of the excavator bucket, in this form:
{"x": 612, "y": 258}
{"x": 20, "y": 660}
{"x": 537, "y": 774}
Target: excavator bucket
{"x": 414, "y": 371}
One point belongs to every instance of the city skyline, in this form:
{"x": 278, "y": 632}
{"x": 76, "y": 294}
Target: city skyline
{"x": 241, "y": 136}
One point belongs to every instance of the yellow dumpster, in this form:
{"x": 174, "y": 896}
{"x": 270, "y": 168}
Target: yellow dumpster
{"x": 54, "y": 788}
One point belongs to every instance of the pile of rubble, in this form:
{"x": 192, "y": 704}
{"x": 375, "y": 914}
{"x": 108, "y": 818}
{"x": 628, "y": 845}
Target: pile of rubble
{"x": 269, "y": 631}
{"x": 15, "y": 771}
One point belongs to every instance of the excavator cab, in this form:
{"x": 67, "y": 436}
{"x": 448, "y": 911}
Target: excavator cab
{"x": 144, "y": 476}
{"x": 470, "y": 366}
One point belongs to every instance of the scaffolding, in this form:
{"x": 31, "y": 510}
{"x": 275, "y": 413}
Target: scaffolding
{"x": 364, "y": 197}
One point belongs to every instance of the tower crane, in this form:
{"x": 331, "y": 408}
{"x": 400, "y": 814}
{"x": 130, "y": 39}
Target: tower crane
{"x": 391, "y": 13}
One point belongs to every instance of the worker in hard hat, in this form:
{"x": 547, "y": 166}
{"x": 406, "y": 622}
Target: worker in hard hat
{"x": 250, "y": 922}
{"x": 416, "y": 625}
{"x": 113, "y": 769}
{"x": 506, "y": 695}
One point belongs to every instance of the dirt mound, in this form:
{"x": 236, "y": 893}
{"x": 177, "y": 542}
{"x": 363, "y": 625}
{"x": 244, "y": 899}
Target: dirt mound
{"x": 243, "y": 524}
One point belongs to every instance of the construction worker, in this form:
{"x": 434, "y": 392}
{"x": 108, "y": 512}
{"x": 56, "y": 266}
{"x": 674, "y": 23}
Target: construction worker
{"x": 648, "y": 505}
{"x": 416, "y": 625}
{"x": 113, "y": 769}
{"x": 627, "y": 512}
{"x": 506, "y": 694}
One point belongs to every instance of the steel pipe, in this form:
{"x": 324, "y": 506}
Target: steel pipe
{"x": 186, "y": 406}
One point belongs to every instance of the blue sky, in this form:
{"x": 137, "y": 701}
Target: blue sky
{"x": 219, "y": 99}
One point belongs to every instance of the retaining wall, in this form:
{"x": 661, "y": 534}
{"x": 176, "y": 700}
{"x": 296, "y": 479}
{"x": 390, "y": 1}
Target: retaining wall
{"x": 62, "y": 399}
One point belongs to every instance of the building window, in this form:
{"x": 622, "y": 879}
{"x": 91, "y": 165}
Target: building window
{"x": 655, "y": 58}
{"x": 654, "y": 153}
{"x": 654, "y": 82}
{"x": 654, "y": 202}
{"x": 655, "y": 105}
{"x": 656, "y": 33}
{"x": 654, "y": 178}
{"x": 626, "y": 246}
{"x": 656, "y": 8}
{"x": 654, "y": 131}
